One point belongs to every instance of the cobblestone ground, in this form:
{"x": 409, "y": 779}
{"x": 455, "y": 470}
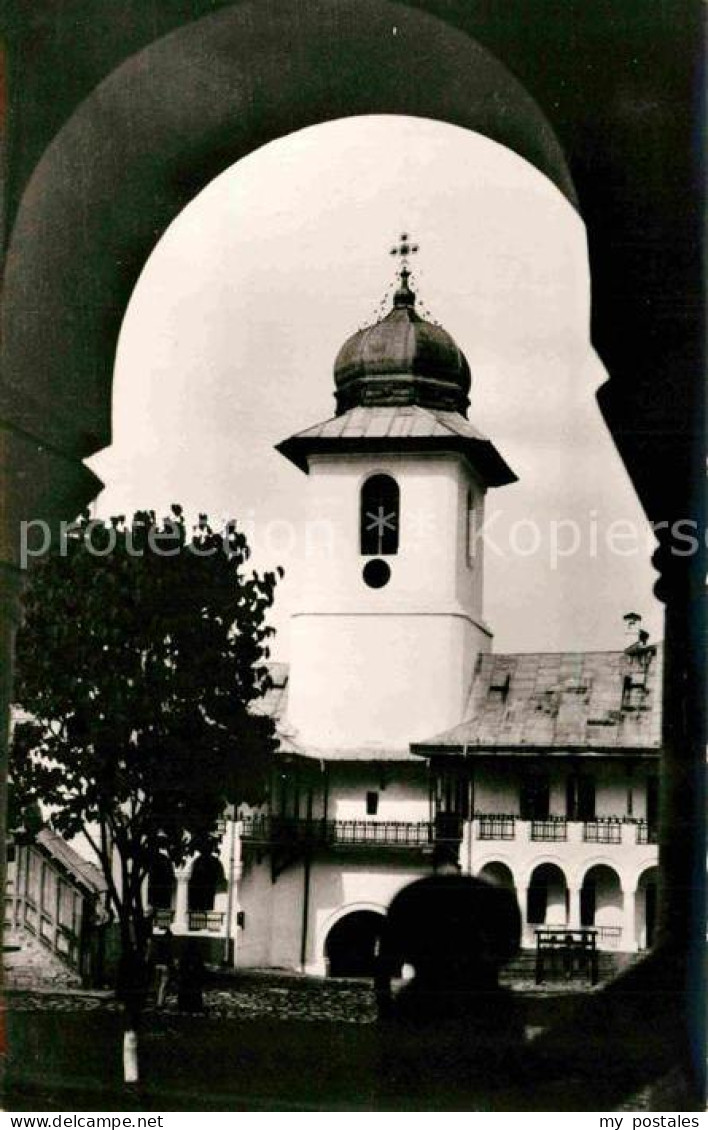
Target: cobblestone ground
{"x": 253, "y": 994}
{"x": 286, "y": 999}
{"x": 262, "y": 998}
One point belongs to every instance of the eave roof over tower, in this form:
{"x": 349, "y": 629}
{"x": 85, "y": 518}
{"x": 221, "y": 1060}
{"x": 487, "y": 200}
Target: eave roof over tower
{"x": 403, "y": 429}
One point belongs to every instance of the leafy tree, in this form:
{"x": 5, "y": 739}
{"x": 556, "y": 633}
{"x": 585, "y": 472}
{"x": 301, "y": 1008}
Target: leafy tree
{"x": 141, "y": 652}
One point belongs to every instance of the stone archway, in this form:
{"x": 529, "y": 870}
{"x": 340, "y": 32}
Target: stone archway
{"x": 161, "y": 885}
{"x": 498, "y": 873}
{"x": 352, "y": 944}
{"x": 206, "y": 880}
{"x": 646, "y": 264}
{"x": 547, "y": 896}
{"x": 256, "y": 73}
{"x": 602, "y": 904}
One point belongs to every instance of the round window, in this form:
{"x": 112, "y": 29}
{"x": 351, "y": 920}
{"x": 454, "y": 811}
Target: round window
{"x": 376, "y": 573}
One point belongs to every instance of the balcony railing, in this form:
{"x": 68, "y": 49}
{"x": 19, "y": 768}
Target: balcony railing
{"x": 647, "y": 833}
{"x": 496, "y": 827}
{"x": 163, "y": 918}
{"x": 390, "y": 832}
{"x": 555, "y": 828}
{"x": 386, "y": 833}
{"x": 610, "y": 936}
{"x": 211, "y": 920}
{"x": 602, "y": 831}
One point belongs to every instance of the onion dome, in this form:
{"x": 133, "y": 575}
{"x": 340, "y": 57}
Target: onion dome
{"x": 402, "y": 359}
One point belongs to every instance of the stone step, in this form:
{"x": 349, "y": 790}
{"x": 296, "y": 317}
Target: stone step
{"x": 28, "y": 964}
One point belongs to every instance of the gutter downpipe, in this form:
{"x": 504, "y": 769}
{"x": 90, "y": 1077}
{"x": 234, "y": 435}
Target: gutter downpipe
{"x": 305, "y": 909}
{"x": 226, "y": 959}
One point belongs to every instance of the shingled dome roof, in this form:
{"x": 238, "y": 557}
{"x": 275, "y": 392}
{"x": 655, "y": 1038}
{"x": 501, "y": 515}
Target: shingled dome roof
{"x": 402, "y": 360}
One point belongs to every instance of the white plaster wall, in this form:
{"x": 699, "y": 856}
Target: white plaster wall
{"x": 287, "y": 894}
{"x": 379, "y": 681}
{"x": 382, "y": 668}
{"x": 338, "y": 888}
{"x": 252, "y": 942}
{"x": 608, "y": 905}
{"x": 274, "y": 911}
{"x": 403, "y": 797}
{"x": 497, "y": 789}
{"x": 431, "y": 565}
{"x": 556, "y": 914}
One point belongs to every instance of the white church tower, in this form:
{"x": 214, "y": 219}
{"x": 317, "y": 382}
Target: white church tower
{"x": 389, "y": 622}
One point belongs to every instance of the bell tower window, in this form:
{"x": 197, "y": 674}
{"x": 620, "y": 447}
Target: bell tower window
{"x": 379, "y": 516}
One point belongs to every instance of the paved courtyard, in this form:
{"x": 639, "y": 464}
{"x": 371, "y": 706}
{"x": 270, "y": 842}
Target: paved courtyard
{"x": 270, "y": 1041}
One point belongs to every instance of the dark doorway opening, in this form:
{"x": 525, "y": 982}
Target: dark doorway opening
{"x": 352, "y": 944}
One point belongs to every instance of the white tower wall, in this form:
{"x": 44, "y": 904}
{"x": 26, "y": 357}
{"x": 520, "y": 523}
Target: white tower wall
{"x": 384, "y": 667}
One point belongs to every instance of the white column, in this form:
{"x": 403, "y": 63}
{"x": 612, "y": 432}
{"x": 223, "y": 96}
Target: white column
{"x": 573, "y": 908}
{"x": 628, "y": 941}
{"x": 467, "y": 846}
{"x": 528, "y": 936}
{"x": 181, "y": 922}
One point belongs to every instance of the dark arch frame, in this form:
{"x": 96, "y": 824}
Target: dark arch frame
{"x": 162, "y": 884}
{"x": 206, "y": 880}
{"x": 623, "y": 117}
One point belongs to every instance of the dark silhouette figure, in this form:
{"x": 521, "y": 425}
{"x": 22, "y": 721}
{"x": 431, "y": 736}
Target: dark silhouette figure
{"x": 190, "y": 979}
{"x": 162, "y": 962}
{"x": 451, "y": 1028}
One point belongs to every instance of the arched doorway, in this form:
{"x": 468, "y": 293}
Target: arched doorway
{"x": 601, "y": 904}
{"x": 352, "y": 943}
{"x": 547, "y": 898}
{"x": 161, "y": 884}
{"x": 646, "y": 908}
{"x": 499, "y": 874}
{"x": 205, "y": 882}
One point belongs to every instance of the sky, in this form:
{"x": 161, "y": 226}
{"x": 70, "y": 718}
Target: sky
{"x": 228, "y": 344}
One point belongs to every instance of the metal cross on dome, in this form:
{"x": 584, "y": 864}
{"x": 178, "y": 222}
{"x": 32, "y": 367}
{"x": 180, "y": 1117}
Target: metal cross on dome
{"x": 404, "y": 249}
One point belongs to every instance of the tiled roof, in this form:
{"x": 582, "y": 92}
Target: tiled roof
{"x": 399, "y": 427}
{"x": 84, "y": 872}
{"x": 362, "y": 753}
{"x": 392, "y": 422}
{"x": 596, "y": 701}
